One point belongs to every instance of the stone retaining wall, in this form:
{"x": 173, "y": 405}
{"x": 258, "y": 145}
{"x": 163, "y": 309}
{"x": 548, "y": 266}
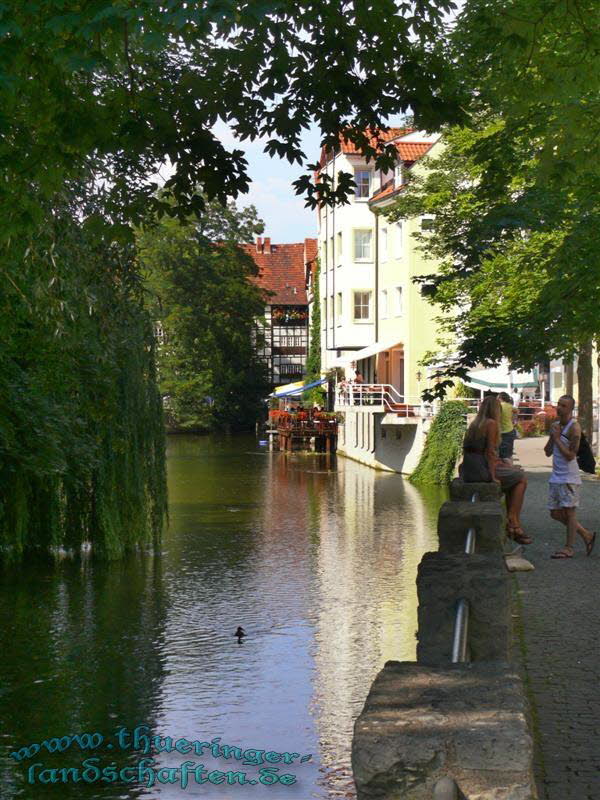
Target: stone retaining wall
{"x": 426, "y": 720}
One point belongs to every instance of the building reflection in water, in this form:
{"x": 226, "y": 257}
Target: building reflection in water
{"x": 368, "y": 533}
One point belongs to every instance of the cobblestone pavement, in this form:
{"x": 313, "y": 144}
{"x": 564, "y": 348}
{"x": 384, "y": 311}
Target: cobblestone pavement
{"x": 558, "y": 605}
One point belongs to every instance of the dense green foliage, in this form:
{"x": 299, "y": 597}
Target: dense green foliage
{"x": 443, "y": 446}
{"x": 81, "y": 431}
{"x": 515, "y": 194}
{"x": 206, "y": 304}
{"x": 128, "y": 86}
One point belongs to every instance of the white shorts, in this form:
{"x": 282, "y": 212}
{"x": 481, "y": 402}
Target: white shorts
{"x": 563, "y": 495}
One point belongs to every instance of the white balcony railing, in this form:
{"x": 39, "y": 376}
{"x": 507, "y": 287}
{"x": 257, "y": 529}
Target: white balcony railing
{"x": 380, "y": 397}
{"x": 385, "y": 397}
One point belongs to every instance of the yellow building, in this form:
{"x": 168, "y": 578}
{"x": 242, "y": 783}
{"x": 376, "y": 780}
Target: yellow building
{"x": 405, "y": 317}
{"x": 374, "y": 319}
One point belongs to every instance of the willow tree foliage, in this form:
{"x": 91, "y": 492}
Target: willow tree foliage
{"x": 80, "y": 421}
{"x": 203, "y": 296}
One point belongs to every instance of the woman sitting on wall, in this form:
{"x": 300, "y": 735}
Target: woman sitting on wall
{"x": 482, "y": 464}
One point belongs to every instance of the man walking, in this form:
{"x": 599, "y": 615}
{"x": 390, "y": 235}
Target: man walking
{"x": 565, "y": 479}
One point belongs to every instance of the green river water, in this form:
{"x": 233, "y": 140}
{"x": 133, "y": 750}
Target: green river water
{"x": 317, "y": 561}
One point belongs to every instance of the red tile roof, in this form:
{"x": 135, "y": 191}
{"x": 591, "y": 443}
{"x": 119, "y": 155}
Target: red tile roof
{"x": 349, "y": 148}
{"x": 412, "y": 151}
{"x": 387, "y": 192}
{"x": 409, "y": 152}
{"x": 282, "y": 269}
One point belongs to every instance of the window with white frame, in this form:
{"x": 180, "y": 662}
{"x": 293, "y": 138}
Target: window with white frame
{"x": 398, "y": 176}
{"x": 338, "y": 308}
{"x": 383, "y": 303}
{"x": 399, "y": 240}
{"x": 398, "y": 301}
{"x": 426, "y": 224}
{"x": 331, "y": 309}
{"x": 362, "y": 306}
{"x": 339, "y": 246}
{"x": 331, "y": 251}
{"x": 323, "y": 313}
{"x": 383, "y": 245}
{"x": 362, "y": 179}
{"x": 362, "y": 244}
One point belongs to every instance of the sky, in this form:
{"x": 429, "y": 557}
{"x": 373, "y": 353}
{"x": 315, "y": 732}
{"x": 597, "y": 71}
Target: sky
{"x": 283, "y": 212}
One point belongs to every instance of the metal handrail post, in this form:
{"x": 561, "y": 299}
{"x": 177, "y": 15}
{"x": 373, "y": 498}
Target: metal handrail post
{"x": 445, "y": 789}
{"x": 461, "y": 621}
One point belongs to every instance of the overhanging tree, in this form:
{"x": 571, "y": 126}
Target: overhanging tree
{"x": 95, "y": 98}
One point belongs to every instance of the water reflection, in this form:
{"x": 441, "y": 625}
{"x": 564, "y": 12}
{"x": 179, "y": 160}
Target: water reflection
{"x": 316, "y": 560}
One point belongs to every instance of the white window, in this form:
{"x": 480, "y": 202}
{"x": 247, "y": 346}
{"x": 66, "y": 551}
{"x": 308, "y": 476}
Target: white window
{"x": 290, "y": 369}
{"x": 426, "y": 224}
{"x": 383, "y": 245}
{"x": 398, "y": 176}
{"x": 399, "y": 241}
{"x": 362, "y": 306}
{"x": 398, "y": 310}
{"x": 383, "y": 303}
{"x": 339, "y": 246}
{"x": 331, "y": 251}
{"x": 362, "y": 245}
{"x": 323, "y": 313}
{"x": 338, "y": 308}
{"x": 362, "y": 179}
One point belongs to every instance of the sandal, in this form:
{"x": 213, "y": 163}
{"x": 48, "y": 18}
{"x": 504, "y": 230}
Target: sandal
{"x": 517, "y": 534}
{"x": 589, "y": 546}
{"x": 564, "y": 553}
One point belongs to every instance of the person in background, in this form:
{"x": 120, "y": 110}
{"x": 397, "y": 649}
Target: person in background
{"x": 516, "y": 398}
{"x": 508, "y": 418}
{"x": 565, "y": 480}
{"x": 358, "y": 393}
{"x": 482, "y": 465}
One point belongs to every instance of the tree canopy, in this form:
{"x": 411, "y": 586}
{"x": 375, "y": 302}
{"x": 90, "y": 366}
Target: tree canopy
{"x": 120, "y": 88}
{"x": 203, "y": 297}
{"x": 515, "y": 192}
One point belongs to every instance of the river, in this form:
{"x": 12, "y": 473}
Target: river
{"x": 317, "y": 561}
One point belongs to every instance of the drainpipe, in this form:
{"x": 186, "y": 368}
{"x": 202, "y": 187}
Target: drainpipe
{"x": 333, "y": 337}
{"x": 376, "y": 276}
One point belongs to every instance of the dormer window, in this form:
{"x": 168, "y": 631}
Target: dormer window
{"x": 362, "y": 179}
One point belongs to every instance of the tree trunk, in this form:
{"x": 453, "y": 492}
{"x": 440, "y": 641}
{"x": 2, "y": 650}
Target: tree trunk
{"x": 569, "y": 378}
{"x": 585, "y": 413}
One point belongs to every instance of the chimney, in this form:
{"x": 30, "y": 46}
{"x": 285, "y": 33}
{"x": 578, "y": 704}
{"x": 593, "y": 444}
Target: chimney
{"x": 259, "y": 244}
{"x": 267, "y": 245}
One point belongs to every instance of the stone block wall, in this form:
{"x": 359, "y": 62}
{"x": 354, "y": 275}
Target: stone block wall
{"x": 442, "y": 580}
{"x": 420, "y": 723}
{"x": 427, "y": 720}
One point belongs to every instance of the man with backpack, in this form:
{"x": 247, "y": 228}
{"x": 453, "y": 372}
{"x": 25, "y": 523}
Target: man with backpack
{"x": 565, "y": 480}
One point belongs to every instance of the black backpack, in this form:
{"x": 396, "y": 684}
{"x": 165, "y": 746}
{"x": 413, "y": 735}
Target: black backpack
{"x": 585, "y": 457}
